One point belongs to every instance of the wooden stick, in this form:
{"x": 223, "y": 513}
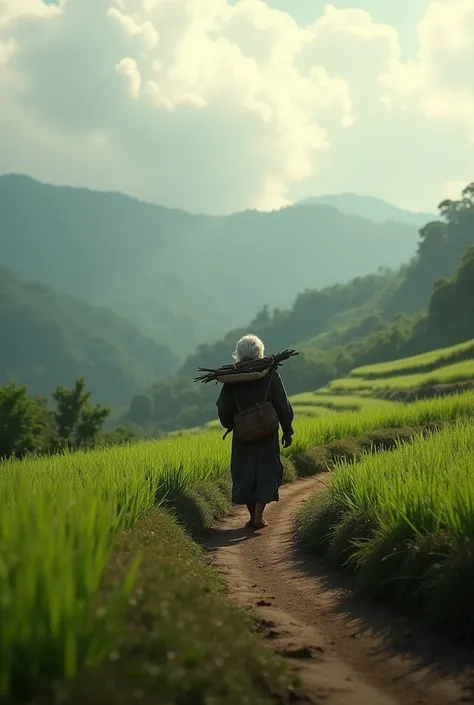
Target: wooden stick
{"x": 247, "y": 366}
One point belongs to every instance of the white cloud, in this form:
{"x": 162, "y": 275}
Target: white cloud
{"x": 440, "y": 80}
{"x": 6, "y": 51}
{"x": 11, "y": 10}
{"x": 128, "y": 68}
{"x": 217, "y": 107}
{"x": 144, "y": 30}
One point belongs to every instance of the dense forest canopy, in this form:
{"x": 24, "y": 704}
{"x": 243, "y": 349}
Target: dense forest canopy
{"x": 29, "y": 424}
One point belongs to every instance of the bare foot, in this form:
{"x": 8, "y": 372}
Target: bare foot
{"x": 260, "y": 524}
{"x": 250, "y": 522}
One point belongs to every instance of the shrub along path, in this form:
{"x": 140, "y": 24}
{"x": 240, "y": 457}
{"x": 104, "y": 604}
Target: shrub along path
{"x": 346, "y": 651}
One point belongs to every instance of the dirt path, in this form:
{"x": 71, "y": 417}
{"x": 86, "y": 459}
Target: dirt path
{"x": 346, "y": 652}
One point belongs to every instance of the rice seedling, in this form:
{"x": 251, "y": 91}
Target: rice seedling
{"x": 405, "y": 521}
{"x": 337, "y": 402}
{"x": 314, "y": 432}
{"x": 60, "y": 519}
{"x": 458, "y": 372}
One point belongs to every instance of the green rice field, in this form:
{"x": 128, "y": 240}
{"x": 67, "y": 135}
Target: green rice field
{"x": 425, "y": 362}
{"x": 333, "y": 402}
{"x": 404, "y": 521}
{"x": 457, "y": 372}
{"x": 61, "y": 517}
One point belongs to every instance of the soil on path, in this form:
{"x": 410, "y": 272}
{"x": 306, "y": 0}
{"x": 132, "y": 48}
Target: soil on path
{"x": 346, "y": 651}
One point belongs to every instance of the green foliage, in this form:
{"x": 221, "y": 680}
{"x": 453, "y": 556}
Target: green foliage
{"x": 28, "y": 426}
{"x": 441, "y": 246}
{"x": 77, "y": 423}
{"x": 450, "y": 308}
{"x": 23, "y": 422}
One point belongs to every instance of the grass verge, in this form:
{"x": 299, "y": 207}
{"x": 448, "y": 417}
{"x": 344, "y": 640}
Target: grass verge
{"x": 404, "y": 522}
{"x": 325, "y": 457}
{"x": 62, "y": 516}
{"x": 198, "y": 507}
{"x": 182, "y": 641}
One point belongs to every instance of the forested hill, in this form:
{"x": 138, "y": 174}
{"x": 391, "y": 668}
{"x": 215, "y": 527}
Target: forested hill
{"x": 49, "y": 338}
{"x": 185, "y": 278}
{"x": 425, "y": 305}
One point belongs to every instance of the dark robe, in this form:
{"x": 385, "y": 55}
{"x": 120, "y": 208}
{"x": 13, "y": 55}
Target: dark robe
{"x": 256, "y": 468}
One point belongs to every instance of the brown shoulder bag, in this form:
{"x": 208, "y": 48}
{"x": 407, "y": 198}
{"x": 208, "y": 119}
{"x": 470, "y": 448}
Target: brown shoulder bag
{"x": 258, "y": 421}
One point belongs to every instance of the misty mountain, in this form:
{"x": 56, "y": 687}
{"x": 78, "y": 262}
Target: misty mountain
{"x": 183, "y": 278}
{"x": 49, "y": 338}
{"x": 369, "y": 207}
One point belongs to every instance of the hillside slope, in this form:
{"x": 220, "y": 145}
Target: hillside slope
{"x": 181, "y": 276}
{"x": 367, "y": 339}
{"x": 49, "y": 338}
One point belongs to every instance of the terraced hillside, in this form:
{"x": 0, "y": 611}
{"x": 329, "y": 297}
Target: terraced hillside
{"x": 438, "y": 372}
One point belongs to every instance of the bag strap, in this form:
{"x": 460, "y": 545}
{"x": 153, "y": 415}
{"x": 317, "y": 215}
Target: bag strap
{"x": 237, "y": 402}
{"x": 267, "y": 391}
{"x": 270, "y": 379}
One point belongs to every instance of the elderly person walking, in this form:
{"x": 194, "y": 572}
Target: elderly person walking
{"x": 256, "y": 467}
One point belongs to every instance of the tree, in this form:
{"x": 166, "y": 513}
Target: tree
{"x": 23, "y": 422}
{"x": 77, "y": 422}
{"x": 141, "y": 409}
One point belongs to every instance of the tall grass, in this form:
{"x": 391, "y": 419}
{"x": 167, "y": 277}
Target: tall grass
{"x": 405, "y": 521}
{"x": 60, "y": 518}
{"x": 333, "y": 427}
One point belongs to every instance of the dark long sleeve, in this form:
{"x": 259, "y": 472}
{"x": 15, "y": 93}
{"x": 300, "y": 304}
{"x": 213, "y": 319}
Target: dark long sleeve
{"x": 280, "y": 401}
{"x": 226, "y": 407}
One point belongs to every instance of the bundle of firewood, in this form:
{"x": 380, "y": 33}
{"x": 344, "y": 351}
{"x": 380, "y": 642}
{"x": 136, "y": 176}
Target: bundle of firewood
{"x": 246, "y": 371}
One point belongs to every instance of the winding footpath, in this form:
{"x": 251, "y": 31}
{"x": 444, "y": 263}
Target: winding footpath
{"x": 347, "y": 652}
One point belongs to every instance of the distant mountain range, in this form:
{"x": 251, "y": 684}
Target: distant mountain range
{"x": 49, "y": 338}
{"x": 181, "y": 279}
{"x": 369, "y": 207}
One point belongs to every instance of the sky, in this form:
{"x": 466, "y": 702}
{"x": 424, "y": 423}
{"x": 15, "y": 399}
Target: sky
{"x": 218, "y": 106}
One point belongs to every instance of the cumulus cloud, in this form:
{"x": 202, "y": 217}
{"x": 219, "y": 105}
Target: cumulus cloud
{"x": 216, "y": 107}
{"x": 128, "y": 68}
{"x": 440, "y": 80}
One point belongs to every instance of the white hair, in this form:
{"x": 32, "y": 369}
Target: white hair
{"x": 249, "y": 348}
